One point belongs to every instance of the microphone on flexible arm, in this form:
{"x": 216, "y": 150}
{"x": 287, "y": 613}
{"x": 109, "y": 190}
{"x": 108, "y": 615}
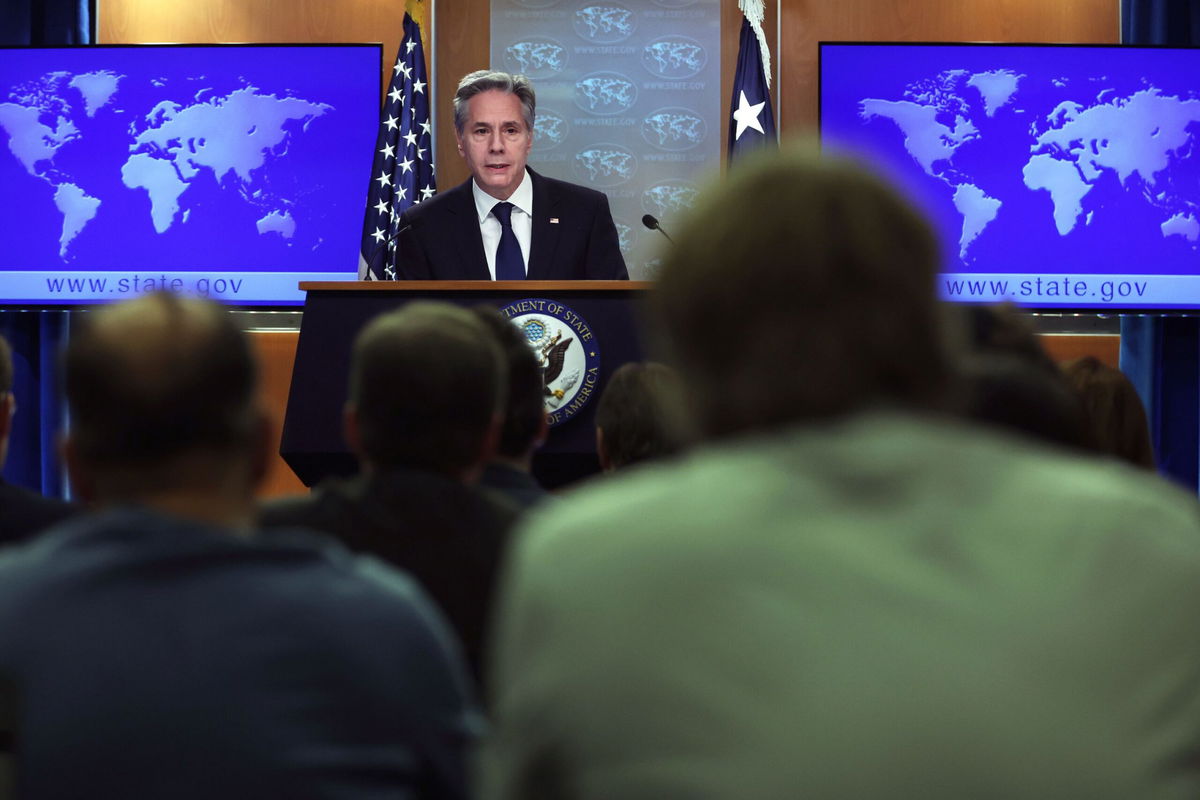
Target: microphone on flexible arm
{"x": 651, "y": 222}
{"x": 380, "y": 246}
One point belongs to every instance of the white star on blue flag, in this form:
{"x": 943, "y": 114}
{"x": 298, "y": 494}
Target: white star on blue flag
{"x": 751, "y": 121}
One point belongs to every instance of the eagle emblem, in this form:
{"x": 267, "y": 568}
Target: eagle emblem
{"x": 566, "y": 351}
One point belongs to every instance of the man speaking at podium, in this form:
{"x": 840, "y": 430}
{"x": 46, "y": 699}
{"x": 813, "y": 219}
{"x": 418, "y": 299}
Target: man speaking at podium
{"x": 506, "y": 222}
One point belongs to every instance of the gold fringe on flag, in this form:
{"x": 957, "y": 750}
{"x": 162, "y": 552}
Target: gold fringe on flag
{"x": 416, "y": 10}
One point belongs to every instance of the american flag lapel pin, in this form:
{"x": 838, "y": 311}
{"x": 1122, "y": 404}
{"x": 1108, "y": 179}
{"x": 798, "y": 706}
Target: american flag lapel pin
{"x": 554, "y": 220}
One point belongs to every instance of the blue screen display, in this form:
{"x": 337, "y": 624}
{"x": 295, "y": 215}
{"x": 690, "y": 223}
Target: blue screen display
{"x": 232, "y": 171}
{"x": 1056, "y": 176}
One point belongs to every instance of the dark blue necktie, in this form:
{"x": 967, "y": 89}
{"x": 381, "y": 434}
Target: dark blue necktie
{"x": 509, "y": 264}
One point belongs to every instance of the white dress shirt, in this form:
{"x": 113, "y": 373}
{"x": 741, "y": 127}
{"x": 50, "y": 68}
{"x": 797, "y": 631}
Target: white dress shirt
{"x": 522, "y": 221}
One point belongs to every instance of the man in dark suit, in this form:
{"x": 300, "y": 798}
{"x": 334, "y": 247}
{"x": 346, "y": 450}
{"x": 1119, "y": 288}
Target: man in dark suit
{"x": 506, "y": 222}
{"x": 425, "y": 411}
{"x": 510, "y": 471}
{"x": 22, "y": 513}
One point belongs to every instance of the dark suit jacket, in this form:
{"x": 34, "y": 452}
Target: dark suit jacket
{"x": 24, "y": 513}
{"x": 448, "y": 536}
{"x": 160, "y": 657}
{"x": 442, "y": 240}
{"x": 519, "y": 487}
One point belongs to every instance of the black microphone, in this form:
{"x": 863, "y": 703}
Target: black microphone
{"x": 388, "y": 240}
{"x": 651, "y": 222}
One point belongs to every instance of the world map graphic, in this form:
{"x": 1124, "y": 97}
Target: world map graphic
{"x": 177, "y": 152}
{"x": 1098, "y": 153}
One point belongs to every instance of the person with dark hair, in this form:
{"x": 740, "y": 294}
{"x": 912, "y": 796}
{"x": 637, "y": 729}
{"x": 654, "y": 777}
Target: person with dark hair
{"x": 1115, "y": 416}
{"x": 1008, "y": 380}
{"x": 506, "y": 222}
{"x": 427, "y": 388}
{"x": 638, "y": 415}
{"x": 22, "y": 513}
{"x": 510, "y": 472}
{"x": 163, "y": 648}
{"x": 845, "y": 591}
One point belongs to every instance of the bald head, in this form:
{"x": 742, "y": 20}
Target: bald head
{"x": 157, "y": 379}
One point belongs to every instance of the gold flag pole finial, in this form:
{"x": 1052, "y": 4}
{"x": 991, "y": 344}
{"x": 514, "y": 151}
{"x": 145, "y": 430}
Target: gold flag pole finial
{"x": 416, "y": 10}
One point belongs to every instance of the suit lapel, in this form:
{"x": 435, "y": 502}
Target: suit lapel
{"x": 467, "y": 238}
{"x": 544, "y": 238}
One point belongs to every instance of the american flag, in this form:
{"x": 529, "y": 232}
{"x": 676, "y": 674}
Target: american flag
{"x": 402, "y": 174}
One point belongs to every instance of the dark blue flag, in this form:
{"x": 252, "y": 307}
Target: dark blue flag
{"x": 751, "y": 122}
{"x": 402, "y": 174}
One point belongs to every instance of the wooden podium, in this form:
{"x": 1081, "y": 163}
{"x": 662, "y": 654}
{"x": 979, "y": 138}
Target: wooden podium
{"x": 334, "y": 312}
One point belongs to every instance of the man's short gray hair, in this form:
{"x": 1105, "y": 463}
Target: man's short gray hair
{"x": 486, "y": 80}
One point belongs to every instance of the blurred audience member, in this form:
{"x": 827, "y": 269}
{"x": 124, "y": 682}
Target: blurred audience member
{"x": 425, "y": 411}
{"x": 844, "y": 593}
{"x": 1007, "y": 378}
{"x": 1114, "y": 413}
{"x": 22, "y": 513}
{"x": 525, "y": 425}
{"x": 999, "y": 328}
{"x": 163, "y": 650}
{"x": 638, "y": 416}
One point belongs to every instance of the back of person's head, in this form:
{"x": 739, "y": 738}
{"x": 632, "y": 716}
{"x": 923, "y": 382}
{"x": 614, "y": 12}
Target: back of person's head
{"x": 426, "y": 389}
{"x": 1008, "y": 380}
{"x": 999, "y": 328}
{"x": 1017, "y": 395}
{"x": 159, "y": 389}
{"x": 638, "y": 415}
{"x": 525, "y": 406}
{"x": 801, "y": 288}
{"x": 1113, "y": 411}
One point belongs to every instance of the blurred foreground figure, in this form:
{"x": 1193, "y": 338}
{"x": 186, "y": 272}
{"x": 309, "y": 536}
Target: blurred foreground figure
{"x": 22, "y": 513}
{"x": 844, "y": 594}
{"x": 163, "y": 650}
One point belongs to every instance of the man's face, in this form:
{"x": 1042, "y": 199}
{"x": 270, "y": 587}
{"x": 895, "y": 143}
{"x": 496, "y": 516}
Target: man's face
{"x": 495, "y": 141}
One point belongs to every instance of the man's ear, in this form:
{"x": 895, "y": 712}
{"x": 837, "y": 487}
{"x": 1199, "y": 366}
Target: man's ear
{"x": 8, "y": 408}
{"x": 263, "y": 444}
{"x": 351, "y": 431}
{"x": 543, "y": 432}
{"x": 602, "y": 452}
{"x": 83, "y": 485}
{"x": 488, "y": 446}
{"x": 491, "y": 440}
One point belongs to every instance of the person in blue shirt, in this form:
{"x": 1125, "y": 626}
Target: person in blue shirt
{"x": 164, "y": 648}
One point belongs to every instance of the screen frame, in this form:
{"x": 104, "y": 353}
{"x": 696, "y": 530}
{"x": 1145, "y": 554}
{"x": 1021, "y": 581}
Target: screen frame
{"x": 1114, "y": 309}
{"x": 381, "y": 85}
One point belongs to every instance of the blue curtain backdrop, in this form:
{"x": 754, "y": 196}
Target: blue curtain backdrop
{"x": 36, "y": 335}
{"x": 1161, "y": 355}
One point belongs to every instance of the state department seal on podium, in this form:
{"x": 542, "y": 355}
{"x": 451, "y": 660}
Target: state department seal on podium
{"x": 567, "y": 352}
